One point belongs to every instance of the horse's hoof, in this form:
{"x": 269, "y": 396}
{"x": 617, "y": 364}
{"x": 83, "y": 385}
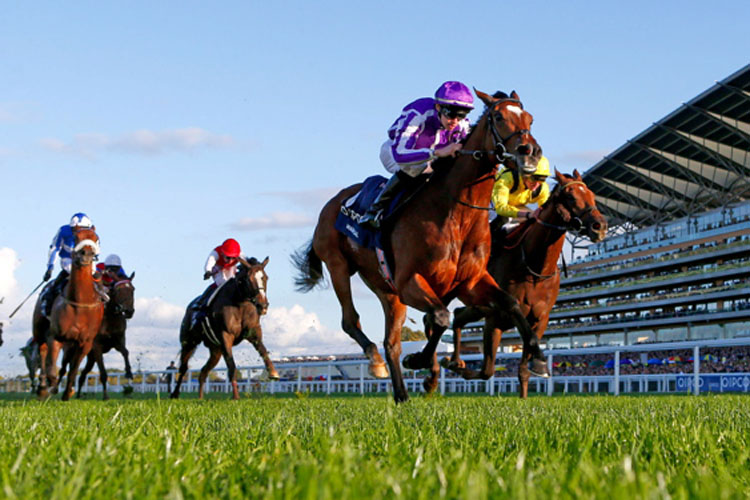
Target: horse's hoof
{"x": 539, "y": 368}
{"x": 453, "y": 365}
{"x": 430, "y": 384}
{"x": 43, "y": 394}
{"x": 174, "y": 396}
{"x": 105, "y": 398}
{"x": 378, "y": 370}
{"x": 273, "y": 375}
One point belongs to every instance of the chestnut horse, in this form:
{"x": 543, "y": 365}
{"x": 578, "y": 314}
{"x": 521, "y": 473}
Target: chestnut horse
{"x": 75, "y": 318}
{"x": 527, "y": 268}
{"x": 234, "y": 316}
{"x": 439, "y": 247}
{"x": 119, "y": 309}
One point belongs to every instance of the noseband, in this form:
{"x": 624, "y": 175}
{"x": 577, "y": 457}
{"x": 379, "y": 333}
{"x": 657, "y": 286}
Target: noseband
{"x": 500, "y": 152}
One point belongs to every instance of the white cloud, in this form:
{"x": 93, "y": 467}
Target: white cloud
{"x": 273, "y": 220}
{"x": 156, "y": 312}
{"x": 8, "y": 265}
{"x": 293, "y": 331}
{"x": 143, "y": 142}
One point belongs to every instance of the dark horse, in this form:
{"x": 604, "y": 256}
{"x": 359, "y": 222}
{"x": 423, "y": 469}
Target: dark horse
{"x": 526, "y": 266}
{"x": 439, "y": 248}
{"x": 234, "y": 316}
{"x": 75, "y": 318}
{"x": 119, "y": 309}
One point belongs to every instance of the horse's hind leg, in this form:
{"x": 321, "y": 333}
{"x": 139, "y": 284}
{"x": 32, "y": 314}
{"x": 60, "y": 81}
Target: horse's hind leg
{"x": 102, "y": 373}
{"x": 338, "y": 268}
{"x": 187, "y": 351}
{"x": 418, "y": 293}
{"x": 461, "y": 317}
{"x": 226, "y": 351}
{"x": 213, "y": 359}
{"x": 84, "y": 372}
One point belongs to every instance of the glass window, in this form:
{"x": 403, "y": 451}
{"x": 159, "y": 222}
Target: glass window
{"x": 673, "y": 334}
{"x": 612, "y": 339}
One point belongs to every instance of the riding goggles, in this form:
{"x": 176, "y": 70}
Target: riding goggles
{"x": 540, "y": 178}
{"x": 449, "y": 112}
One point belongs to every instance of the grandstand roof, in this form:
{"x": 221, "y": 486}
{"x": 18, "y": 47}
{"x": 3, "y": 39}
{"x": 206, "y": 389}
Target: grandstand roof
{"x": 697, "y": 158}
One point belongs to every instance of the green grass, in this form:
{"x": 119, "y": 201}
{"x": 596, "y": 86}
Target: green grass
{"x": 353, "y": 447}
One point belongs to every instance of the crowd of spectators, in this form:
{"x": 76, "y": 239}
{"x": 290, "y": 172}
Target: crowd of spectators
{"x": 712, "y": 360}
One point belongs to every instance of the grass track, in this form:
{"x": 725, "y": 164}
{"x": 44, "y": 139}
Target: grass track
{"x": 457, "y": 447}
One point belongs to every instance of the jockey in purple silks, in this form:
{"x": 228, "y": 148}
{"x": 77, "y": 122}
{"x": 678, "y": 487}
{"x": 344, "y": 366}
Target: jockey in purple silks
{"x": 427, "y": 129}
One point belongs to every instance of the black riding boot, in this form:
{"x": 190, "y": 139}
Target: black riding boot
{"x": 53, "y": 291}
{"x": 200, "y": 307}
{"x": 373, "y": 215}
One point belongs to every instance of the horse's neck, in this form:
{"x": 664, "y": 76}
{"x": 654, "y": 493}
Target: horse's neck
{"x": 81, "y": 285}
{"x": 467, "y": 181}
{"x": 543, "y": 245}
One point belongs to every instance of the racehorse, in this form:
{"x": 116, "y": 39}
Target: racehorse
{"x": 439, "y": 247}
{"x": 75, "y": 318}
{"x": 525, "y": 264}
{"x": 234, "y": 315}
{"x": 30, "y": 353}
{"x": 119, "y": 309}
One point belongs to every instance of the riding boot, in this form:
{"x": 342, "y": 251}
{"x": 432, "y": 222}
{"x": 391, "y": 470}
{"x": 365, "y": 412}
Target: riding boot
{"x": 200, "y": 306}
{"x": 372, "y": 217}
{"x": 497, "y": 233}
{"x": 53, "y": 291}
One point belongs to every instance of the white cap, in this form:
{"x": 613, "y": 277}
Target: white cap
{"x": 112, "y": 260}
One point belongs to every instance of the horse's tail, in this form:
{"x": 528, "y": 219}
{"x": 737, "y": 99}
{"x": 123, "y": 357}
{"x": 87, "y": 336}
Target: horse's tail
{"x": 310, "y": 269}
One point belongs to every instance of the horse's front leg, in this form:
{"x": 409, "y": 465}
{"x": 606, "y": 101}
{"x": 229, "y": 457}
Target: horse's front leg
{"x": 257, "y": 342}
{"x": 461, "y": 317}
{"x": 43, "y": 388}
{"x": 395, "y": 314}
{"x": 418, "y": 293}
{"x": 120, "y": 347}
{"x": 78, "y": 352}
{"x": 53, "y": 351}
{"x": 86, "y": 369}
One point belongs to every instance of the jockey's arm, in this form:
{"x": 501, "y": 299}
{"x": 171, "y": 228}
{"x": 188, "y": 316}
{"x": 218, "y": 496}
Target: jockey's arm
{"x": 501, "y": 196}
{"x": 54, "y": 249}
{"x": 213, "y": 257}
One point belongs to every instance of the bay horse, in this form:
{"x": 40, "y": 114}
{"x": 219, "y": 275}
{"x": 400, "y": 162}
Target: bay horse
{"x": 74, "y": 320}
{"x": 119, "y": 309}
{"x": 525, "y": 264}
{"x": 234, "y": 315}
{"x": 439, "y": 247}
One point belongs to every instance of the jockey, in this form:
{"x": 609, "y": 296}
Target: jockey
{"x": 428, "y": 128}
{"x": 511, "y": 193}
{"x": 62, "y": 245}
{"x": 221, "y": 264}
{"x": 111, "y": 269}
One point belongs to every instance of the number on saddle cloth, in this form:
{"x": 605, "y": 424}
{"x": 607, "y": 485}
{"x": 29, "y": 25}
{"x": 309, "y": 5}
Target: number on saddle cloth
{"x": 353, "y": 209}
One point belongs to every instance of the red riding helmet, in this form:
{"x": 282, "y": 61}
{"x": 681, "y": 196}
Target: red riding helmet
{"x": 230, "y": 248}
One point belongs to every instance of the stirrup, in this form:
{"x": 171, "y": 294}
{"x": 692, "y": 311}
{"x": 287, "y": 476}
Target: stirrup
{"x": 371, "y": 220}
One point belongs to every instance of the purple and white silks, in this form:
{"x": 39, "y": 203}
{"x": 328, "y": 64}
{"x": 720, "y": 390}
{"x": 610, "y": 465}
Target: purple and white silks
{"x": 414, "y": 136}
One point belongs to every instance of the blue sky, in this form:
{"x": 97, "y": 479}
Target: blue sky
{"x": 175, "y": 125}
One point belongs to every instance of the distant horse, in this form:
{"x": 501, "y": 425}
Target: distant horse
{"x": 234, "y": 315}
{"x": 75, "y": 318}
{"x": 30, "y": 353}
{"x": 439, "y": 247}
{"x": 526, "y": 266}
{"x": 119, "y": 309}
{"x": 1, "y": 331}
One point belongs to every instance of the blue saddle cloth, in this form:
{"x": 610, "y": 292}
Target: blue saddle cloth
{"x": 353, "y": 209}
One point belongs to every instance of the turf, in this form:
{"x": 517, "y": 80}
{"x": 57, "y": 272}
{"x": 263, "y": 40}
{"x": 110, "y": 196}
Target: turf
{"x": 468, "y": 447}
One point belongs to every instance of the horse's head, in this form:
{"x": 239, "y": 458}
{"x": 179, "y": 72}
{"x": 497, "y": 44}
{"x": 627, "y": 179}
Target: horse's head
{"x": 86, "y": 246}
{"x": 511, "y": 136}
{"x": 122, "y": 297}
{"x": 574, "y": 202}
{"x": 252, "y": 280}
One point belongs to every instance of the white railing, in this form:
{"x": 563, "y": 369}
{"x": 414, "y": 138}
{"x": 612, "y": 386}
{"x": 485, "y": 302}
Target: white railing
{"x": 616, "y": 383}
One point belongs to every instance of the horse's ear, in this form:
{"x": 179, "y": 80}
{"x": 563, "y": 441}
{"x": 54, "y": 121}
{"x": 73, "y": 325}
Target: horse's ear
{"x": 514, "y": 95}
{"x": 132, "y": 275}
{"x": 486, "y": 98}
{"x": 560, "y": 177}
{"x": 265, "y": 261}
{"x": 577, "y": 175}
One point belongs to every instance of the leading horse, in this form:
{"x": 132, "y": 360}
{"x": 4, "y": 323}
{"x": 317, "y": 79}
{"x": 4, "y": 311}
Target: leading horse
{"x": 439, "y": 247}
{"x": 234, "y": 316}
{"x": 117, "y": 312}
{"x": 75, "y": 318}
{"x": 525, "y": 264}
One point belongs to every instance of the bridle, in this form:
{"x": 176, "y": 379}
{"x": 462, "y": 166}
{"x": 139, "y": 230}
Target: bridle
{"x": 500, "y": 152}
{"x": 117, "y": 308}
{"x": 253, "y": 295}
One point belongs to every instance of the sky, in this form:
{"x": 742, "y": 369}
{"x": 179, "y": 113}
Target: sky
{"x": 175, "y": 125}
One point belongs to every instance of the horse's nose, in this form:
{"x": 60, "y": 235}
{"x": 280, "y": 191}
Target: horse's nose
{"x": 524, "y": 149}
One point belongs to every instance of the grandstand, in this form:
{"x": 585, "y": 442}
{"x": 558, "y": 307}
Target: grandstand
{"x": 676, "y": 264}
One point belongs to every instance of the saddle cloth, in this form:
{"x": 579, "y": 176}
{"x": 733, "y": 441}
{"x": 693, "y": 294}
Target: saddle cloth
{"x": 354, "y": 208}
